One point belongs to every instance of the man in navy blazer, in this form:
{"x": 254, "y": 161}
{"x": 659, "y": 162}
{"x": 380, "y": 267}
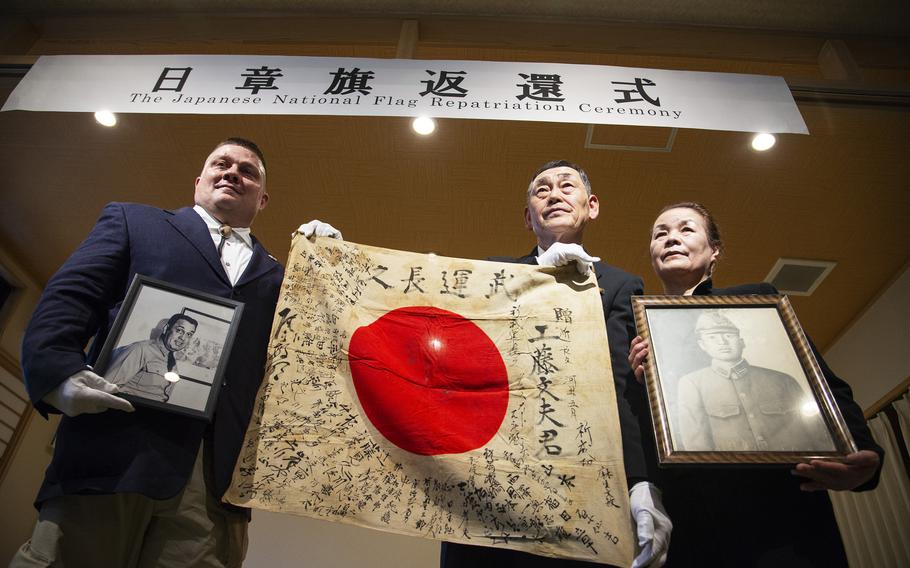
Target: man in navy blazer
{"x": 560, "y": 204}
{"x": 138, "y": 486}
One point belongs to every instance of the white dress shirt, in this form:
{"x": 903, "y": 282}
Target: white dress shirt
{"x": 238, "y": 248}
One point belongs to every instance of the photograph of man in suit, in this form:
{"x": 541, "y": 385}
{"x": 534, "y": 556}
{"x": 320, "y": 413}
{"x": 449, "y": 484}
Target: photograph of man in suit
{"x": 559, "y": 205}
{"x": 142, "y": 487}
{"x": 148, "y": 368}
{"x": 732, "y": 405}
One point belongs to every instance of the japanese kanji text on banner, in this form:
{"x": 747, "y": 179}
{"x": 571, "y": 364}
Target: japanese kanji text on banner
{"x": 452, "y": 399}
{"x": 488, "y": 90}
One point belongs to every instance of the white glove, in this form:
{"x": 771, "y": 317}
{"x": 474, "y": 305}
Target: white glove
{"x": 320, "y": 229}
{"x": 652, "y": 525}
{"x": 561, "y": 254}
{"x": 86, "y": 393}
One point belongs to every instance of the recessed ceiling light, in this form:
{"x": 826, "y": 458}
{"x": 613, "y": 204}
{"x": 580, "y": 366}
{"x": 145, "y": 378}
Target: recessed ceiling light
{"x": 763, "y": 141}
{"x": 423, "y": 125}
{"x": 106, "y": 118}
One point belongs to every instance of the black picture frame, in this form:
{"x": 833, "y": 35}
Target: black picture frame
{"x": 169, "y": 346}
{"x": 716, "y": 401}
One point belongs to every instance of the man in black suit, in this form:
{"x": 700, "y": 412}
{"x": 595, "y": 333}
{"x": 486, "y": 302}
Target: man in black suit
{"x": 143, "y": 487}
{"x": 560, "y": 204}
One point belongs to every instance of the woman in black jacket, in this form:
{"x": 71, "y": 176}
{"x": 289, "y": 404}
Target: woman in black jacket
{"x": 749, "y": 517}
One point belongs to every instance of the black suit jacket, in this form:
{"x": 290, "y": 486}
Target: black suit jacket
{"x": 758, "y": 517}
{"x": 148, "y": 451}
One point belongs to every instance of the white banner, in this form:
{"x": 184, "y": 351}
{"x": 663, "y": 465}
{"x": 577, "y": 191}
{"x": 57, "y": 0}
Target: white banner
{"x": 549, "y": 92}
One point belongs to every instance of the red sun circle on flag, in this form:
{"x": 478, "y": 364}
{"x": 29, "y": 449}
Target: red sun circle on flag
{"x": 429, "y": 380}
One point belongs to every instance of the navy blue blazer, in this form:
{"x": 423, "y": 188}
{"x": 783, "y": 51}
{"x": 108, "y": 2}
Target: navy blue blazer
{"x": 147, "y": 451}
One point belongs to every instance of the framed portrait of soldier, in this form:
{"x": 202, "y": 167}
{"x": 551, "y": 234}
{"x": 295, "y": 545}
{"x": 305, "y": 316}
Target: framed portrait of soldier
{"x": 169, "y": 346}
{"x": 733, "y": 380}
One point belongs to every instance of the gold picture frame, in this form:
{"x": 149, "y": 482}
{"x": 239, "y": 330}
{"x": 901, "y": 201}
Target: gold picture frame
{"x": 733, "y": 380}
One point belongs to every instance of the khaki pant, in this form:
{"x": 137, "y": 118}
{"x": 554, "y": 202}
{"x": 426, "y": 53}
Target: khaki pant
{"x": 131, "y": 530}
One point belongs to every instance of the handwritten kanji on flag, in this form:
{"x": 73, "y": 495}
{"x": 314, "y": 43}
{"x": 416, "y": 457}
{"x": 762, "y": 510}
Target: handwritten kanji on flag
{"x": 458, "y": 400}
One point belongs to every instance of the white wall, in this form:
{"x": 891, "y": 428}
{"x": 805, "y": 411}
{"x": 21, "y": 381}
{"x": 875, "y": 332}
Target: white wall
{"x": 873, "y": 355}
{"x": 284, "y": 541}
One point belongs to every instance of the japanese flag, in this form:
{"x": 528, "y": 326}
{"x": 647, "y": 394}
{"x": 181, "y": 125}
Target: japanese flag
{"x": 459, "y": 400}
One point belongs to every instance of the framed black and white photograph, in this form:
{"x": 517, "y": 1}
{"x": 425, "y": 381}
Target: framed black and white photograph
{"x": 169, "y": 346}
{"x": 733, "y": 380}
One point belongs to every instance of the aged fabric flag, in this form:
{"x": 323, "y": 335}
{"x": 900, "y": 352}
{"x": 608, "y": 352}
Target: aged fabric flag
{"x": 452, "y": 399}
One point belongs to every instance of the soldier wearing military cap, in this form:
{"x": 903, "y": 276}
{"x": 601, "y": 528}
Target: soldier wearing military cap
{"x": 734, "y": 406}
